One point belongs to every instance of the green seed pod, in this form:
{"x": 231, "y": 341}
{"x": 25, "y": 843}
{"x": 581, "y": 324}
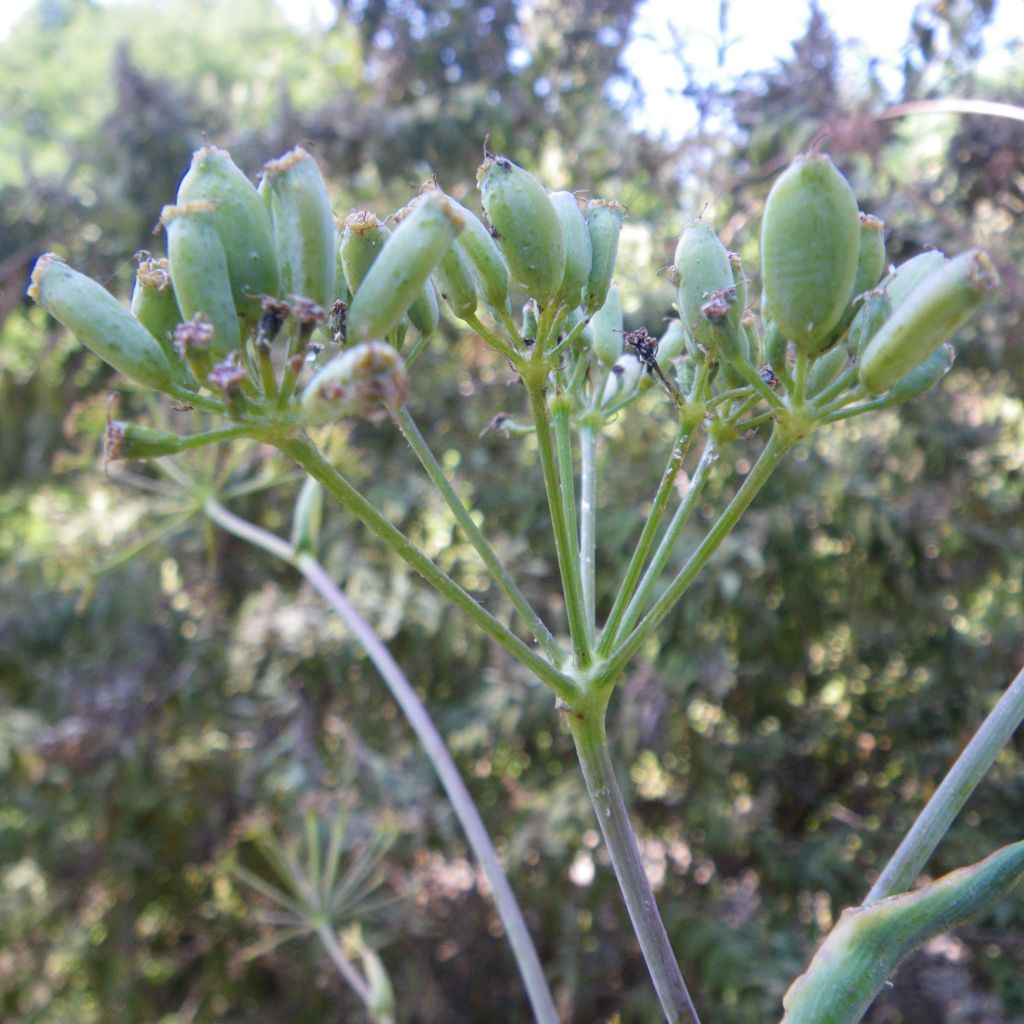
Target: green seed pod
{"x": 707, "y": 294}
{"x": 926, "y": 318}
{"x": 529, "y": 321}
{"x": 775, "y": 348}
{"x": 199, "y": 271}
{"x": 357, "y": 383}
{"x": 398, "y": 274}
{"x": 99, "y": 322}
{"x": 874, "y": 309}
{"x": 868, "y": 943}
{"x": 606, "y": 329}
{"x": 625, "y": 375}
{"x": 826, "y": 368}
{"x": 155, "y": 307}
{"x": 456, "y": 283}
{"x": 671, "y": 344}
{"x": 424, "y": 313}
{"x": 307, "y": 517}
{"x": 924, "y": 376}
{"x": 909, "y": 274}
{"x": 132, "y": 441}
{"x": 604, "y": 223}
{"x": 810, "y": 240}
{"x": 484, "y": 259}
{"x": 243, "y": 224}
{"x": 578, "y": 256}
{"x": 528, "y": 231}
{"x": 686, "y": 376}
{"x": 304, "y": 234}
{"x": 870, "y": 266}
{"x": 739, "y": 279}
{"x": 362, "y": 239}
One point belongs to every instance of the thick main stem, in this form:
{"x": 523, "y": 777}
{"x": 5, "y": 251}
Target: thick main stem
{"x": 433, "y": 744}
{"x": 310, "y": 459}
{"x": 592, "y": 747}
{"x": 960, "y": 782}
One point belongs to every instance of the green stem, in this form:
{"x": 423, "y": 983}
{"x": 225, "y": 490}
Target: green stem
{"x": 309, "y": 458}
{"x": 325, "y": 933}
{"x": 492, "y": 339}
{"x": 680, "y": 446}
{"x": 433, "y": 744}
{"x": 592, "y": 747}
{"x": 560, "y": 411}
{"x": 213, "y": 436}
{"x": 407, "y": 425}
{"x": 960, "y": 782}
{"x": 638, "y": 597}
{"x": 588, "y": 523}
{"x": 566, "y": 551}
{"x": 778, "y": 445}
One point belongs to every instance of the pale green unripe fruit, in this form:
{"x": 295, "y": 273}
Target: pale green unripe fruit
{"x": 305, "y": 236}
{"x": 606, "y": 338}
{"x": 671, "y": 344}
{"x": 155, "y": 307}
{"x": 623, "y": 380}
{"x": 484, "y": 259}
{"x": 357, "y": 383}
{"x": 908, "y": 275}
{"x": 99, "y": 322}
{"x": 874, "y": 309}
{"x": 425, "y": 313}
{"x": 456, "y": 284}
{"x": 604, "y": 224}
{"x": 242, "y": 222}
{"x": 199, "y": 272}
{"x": 362, "y": 239}
{"x": 578, "y": 255}
{"x": 810, "y": 240}
{"x": 924, "y": 376}
{"x": 134, "y": 441}
{"x": 826, "y": 368}
{"x": 708, "y": 302}
{"x": 870, "y": 254}
{"x": 398, "y": 274}
{"x": 868, "y": 943}
{"x": 929, "y": 315}
{"x": 525, "y": 226}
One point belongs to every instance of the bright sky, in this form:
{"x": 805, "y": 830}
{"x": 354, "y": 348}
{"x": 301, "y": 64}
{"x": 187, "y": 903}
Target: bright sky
{"x": 759, "y": 33}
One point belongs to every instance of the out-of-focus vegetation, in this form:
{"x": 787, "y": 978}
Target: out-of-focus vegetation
{"x": 805, "y": 699}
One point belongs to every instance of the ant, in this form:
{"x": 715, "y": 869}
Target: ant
{"x": 645, "y": 348}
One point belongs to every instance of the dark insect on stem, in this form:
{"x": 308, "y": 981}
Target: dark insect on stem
{"x": 645, "y": 348}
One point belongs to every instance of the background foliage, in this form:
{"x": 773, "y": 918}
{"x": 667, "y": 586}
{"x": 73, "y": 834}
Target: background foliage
{"x": 805, "y": 697}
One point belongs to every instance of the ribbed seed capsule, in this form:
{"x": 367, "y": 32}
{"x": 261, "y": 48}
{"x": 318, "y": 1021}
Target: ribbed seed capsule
{"x": 604, "y": 223}
{"x": 924, "y": 375}
{"x": 874, "y": 309}
{"x": 868, "y": 943}
{"x": 484, "y": 259}
{"x": 606, "y": 338}
{"x": 622, "y": 381}
{"x": 424, "y": 313}
{"x": 671, "y": 344}
{"x": 456, "y": 284}
{"x": 357, "y": 383}
{"x": 397, "y": 276}
{"x": 708, "y": 301}
{"x": 578, "y": 255}
{"x": 529, "y": 321}
{"x": 199, "y": 272}
{"x": 133, "y": 441}
{"x": 686, "y": 376}
{"x": 99, "y": 322}
{"x": 362, "y": 239}
{"x": 810, "y": 239}
{"x": 525, "y": 225}
{"x": 307, "y": 517}
{"x": 775, "y": 347}
{"x": 155, "y": 307}
{"x": 242, "y": 223}
{"x": 304, "y": 232}
{"x": 826, "y": 368}
{"x": 908, "y": 275}
{"x": 870, "y": 267}
{"x": 926, "y": 318}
